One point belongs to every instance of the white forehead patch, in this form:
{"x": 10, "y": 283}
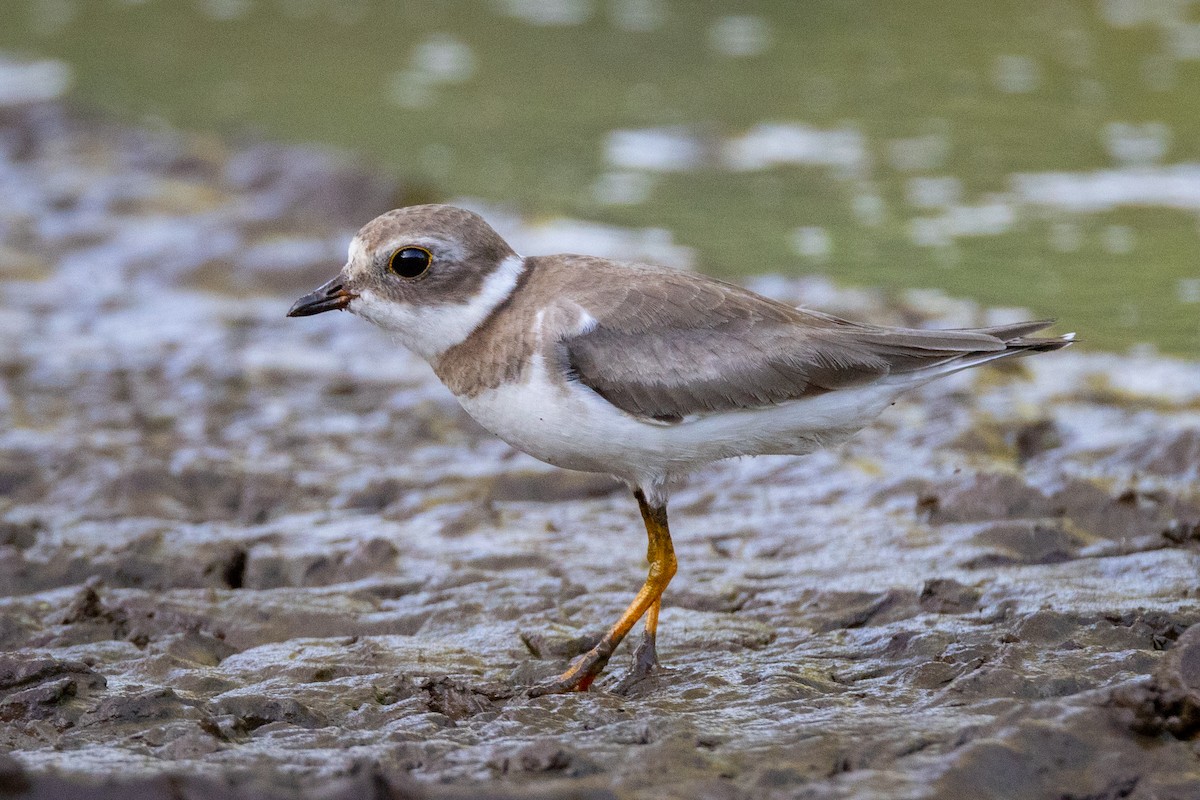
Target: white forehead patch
{"x": 430, "y": 330}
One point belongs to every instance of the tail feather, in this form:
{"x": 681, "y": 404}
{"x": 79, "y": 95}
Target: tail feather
{"x": 1009, "y": 341}
{"x": 1015, "y": 330}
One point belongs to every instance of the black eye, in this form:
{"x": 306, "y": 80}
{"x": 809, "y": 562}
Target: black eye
{"x": 410, "y": 262}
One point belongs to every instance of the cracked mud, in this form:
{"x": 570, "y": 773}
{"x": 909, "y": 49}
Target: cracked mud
{"x": 246, "y": 555}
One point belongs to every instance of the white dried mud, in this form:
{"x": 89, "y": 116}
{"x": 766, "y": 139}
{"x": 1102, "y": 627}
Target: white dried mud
{"x": 249, "y": 556}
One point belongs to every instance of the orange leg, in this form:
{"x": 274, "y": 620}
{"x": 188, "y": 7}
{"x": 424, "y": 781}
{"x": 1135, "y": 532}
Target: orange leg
{"x": 645, "y": 657}
{"x": 652, "y": 618}
{"x": 661, "y": 554}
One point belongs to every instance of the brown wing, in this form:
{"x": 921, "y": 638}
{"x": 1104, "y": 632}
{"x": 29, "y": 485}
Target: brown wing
{"x": 685, "y": 344}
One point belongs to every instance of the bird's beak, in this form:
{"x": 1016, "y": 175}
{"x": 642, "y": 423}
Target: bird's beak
{"x": 333, "y": 296}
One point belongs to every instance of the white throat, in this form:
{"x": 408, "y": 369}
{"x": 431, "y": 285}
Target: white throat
{"x": 430, "y": 330}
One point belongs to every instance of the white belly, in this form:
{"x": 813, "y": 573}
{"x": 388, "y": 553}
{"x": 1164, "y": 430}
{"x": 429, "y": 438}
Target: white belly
{"x": 570, "y": 426}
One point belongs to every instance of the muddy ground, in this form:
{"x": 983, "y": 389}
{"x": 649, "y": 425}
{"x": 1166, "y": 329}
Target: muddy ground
{"x": 249, "y": 556}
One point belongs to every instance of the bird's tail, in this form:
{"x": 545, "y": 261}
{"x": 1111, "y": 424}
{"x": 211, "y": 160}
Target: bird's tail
{"x": 932, "y": 354}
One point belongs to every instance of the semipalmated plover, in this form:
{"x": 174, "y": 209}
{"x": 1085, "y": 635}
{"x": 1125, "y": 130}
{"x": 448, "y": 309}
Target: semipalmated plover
{"x": 642, "y": 372}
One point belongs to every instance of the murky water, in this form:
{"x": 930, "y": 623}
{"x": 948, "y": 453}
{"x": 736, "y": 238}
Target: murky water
{"x": 248, "y": 556}
{"x": 1023, "y": 153}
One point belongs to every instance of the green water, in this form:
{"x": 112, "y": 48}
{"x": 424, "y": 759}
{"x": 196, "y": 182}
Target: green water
{"x": 947, "y": 102}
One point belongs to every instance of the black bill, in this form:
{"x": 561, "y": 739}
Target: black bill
{"x": 330, "y": 297}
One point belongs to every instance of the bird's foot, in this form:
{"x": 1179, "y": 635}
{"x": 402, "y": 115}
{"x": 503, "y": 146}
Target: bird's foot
{"x": 579, "y": 675}
{"x": 645, "y": 662}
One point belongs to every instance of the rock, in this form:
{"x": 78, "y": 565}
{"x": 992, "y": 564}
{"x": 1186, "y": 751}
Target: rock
{"x": 34, "y": 688}
{"x": 1025, "y": 542}
{"x": 458, "y": 700}
{"x": 254, "y": 711}
{"x": 948, "y": 596}
{"x": 1174, "y": 455}
{"x": 1169, "y": 703}
{"x": 988, "y": 496}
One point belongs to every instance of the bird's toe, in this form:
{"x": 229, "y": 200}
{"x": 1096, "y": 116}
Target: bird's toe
{"x": 645, "y": 663}
{"x": 578, "y": 677}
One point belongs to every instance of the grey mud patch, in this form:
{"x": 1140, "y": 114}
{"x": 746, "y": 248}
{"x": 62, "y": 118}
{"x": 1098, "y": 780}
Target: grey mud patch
{"x": 255, "y": 557}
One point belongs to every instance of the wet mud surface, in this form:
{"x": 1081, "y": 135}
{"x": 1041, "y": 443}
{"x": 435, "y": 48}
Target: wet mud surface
{"x": 260, "y": 557}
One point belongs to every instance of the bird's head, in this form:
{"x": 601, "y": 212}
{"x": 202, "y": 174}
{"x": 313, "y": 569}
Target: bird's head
{"x": 429, "y": 274}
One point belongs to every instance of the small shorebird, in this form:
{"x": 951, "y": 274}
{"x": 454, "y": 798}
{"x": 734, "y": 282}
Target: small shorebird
{"x": 641, "y": 372}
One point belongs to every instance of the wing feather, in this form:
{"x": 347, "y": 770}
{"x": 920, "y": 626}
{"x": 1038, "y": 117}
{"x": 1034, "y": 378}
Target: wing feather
{"x": 686, "y": 344}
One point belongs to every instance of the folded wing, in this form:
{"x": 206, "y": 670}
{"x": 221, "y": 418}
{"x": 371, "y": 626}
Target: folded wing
{"x": 692, "y": 345}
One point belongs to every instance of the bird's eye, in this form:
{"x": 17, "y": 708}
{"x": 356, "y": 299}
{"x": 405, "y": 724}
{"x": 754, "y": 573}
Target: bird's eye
{"x": 410, "y": 262}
